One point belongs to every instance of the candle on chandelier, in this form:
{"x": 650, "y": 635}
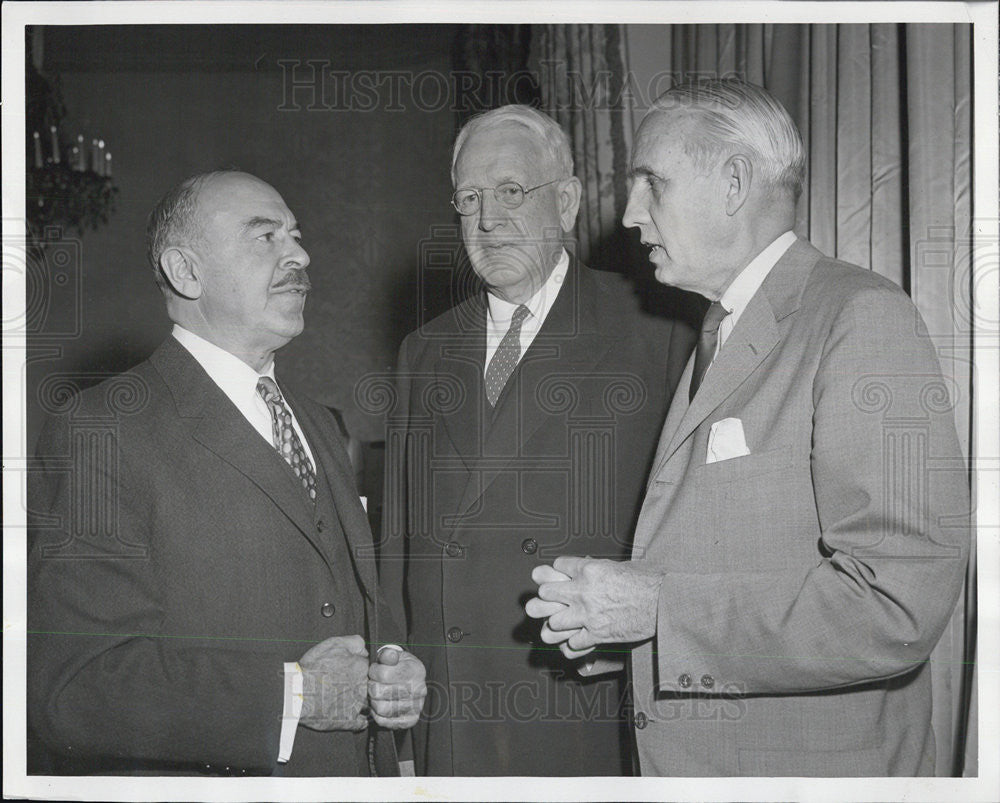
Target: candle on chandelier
{"x": 81, "y": 163}
{"x": 55, "y": 144}
{"x": 38, "y": 149}
{"x": 100, "y": 157}
{"x": 94, "y": 164}
{"x": 107, "y": 164}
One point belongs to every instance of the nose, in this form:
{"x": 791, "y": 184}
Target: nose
{"x": 296, "y": 256}
{"x": 635, "y": 209}
{"x": 491, "y": 211}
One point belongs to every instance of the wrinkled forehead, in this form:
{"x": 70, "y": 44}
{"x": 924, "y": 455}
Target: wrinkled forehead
{"x": 239, "y": 195}
{"x": 661, "y": 132}
{"x": 668, "y": 123}
{"x": 507, "y": 149}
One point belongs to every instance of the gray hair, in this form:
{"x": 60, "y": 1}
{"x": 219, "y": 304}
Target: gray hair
{"x": 736, "y": 116}
{"x": 548, "y": 133}
{"x": 174, "y": 221}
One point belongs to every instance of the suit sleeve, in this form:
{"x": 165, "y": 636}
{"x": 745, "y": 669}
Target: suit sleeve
{"x": 103, "y": 681}
{"x": 892, "y": 501}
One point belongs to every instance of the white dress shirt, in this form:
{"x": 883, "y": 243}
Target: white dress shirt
{"x": 239, "y": 382}
{"x": 736, "y": 297}
{"x": 499, "y": 312}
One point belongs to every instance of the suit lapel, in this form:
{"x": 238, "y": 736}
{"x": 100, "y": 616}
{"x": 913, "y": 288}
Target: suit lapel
{"x": 756, "y": 334}
{"x": 221, "y": 428}
{"x": 678, "y": 407}
{"x": 326, "y": 446}
{"x": 566, "y": 348}
{"x": 459, "y": 370}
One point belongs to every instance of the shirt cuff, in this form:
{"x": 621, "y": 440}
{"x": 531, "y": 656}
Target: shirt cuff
{"x": 291, "y": 711}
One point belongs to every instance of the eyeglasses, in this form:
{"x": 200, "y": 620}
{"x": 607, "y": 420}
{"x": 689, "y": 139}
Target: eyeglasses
{"x": 510, "y": 194}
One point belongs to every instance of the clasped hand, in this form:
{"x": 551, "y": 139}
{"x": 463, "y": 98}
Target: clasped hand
{"x": 340, "y": 687}
{"x": 588, "y": 602}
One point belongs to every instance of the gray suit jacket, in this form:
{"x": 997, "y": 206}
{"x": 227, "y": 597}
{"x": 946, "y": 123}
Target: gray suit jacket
{"x": 807, "y": 581}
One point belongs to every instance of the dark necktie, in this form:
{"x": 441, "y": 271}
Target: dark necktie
{"x": 705, "y": 352}
{"x": 505, "y": 359}
{"x": 283, "y": 435}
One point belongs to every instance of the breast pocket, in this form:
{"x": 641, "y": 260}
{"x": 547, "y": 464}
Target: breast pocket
{"x": 741, "y": 468}
{"x": 763, "y": 509}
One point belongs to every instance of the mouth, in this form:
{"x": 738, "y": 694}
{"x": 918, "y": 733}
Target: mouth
{"x": 300, "y": 290}
{"x": 654, "y": 248}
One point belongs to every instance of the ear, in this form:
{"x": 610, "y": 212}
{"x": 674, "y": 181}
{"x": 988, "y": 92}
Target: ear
{"x": 569, "y": 201}
{"x": 738, "y": 175}
{"x": 178, "y": 267}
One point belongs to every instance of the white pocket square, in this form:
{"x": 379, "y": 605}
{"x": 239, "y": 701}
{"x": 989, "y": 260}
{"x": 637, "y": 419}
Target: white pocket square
{"x": 726, "y": 441}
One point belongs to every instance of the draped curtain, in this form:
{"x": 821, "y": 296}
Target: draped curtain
{"x": 580, "y": 70}
{"x": 885, "y": 115}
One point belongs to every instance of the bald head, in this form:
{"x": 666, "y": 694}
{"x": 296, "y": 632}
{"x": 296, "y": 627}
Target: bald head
{"x": 174, "y": 220}
{"x": 226, "y": 248}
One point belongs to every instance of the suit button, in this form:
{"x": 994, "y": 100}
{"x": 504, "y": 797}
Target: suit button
{"x": 455, "y": 635}
{"x": 529, "y": 546}
{"x": 684, "y": 681}
{"x": 328, "y": 609}
{"x": 640, "y": 720}
{"x": 320, "y": 525}
{"x": 707, "y": 681}
{"x": 453, "y": 549}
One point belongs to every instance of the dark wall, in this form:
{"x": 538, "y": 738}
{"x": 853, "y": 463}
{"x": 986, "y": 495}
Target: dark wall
{"x": 361, "y": 155}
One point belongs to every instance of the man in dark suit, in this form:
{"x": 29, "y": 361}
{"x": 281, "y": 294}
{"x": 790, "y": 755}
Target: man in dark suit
{"x": 804, "y": 534}
{"x": 524, "y": 427}
{"x": 199, "y": 596}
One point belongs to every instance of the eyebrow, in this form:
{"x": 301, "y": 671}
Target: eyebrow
{"x": 260, "y": 221}
{"x": 636, "y": 171}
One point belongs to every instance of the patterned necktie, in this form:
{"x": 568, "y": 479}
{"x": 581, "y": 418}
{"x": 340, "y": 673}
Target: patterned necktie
{"x": 283, "y": 435}
{"x": 705, "y": 351}
{"x": 505, "y": 359}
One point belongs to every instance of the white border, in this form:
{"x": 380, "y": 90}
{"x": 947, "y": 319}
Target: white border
{"x": 986, "y": 382}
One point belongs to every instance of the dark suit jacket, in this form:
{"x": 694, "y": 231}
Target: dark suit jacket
{"x": 477, "y": 498}
{"x": 175, "y": 563}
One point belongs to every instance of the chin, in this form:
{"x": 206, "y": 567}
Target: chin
{"x": 500, "y": 270}
{"x": 288, "y": 328}
{"x": 664, "y": 276}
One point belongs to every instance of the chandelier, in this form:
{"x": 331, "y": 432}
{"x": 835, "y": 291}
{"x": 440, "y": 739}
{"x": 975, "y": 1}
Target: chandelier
{"x": 69, "y": 182}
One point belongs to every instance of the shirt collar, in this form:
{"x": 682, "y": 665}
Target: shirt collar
{"x": 749, "y": 280}
{"x": 229, "y": 372}
{"x": 538, "y": 305}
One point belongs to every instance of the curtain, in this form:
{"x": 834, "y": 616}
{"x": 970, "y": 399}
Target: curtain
{"x": 885, "y": 115}
{"x": 580, "y": 71}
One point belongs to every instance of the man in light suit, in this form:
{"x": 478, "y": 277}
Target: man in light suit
{"x": 199, "y": 600}
{"x": 805, "y": 529}
{"x": 524, "y": 427}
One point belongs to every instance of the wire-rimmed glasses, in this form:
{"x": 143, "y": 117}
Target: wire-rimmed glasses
{"x": 468, "y": 200}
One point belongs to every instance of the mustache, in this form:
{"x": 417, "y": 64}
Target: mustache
{"x": 297, "y": 277}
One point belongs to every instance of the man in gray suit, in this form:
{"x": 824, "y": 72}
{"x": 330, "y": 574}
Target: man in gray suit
{"x": 796, "y": 557}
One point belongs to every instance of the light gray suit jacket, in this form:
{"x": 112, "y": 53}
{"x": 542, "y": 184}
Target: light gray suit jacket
{"x": 807, "y": 581}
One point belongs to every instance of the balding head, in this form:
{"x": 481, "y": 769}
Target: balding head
{"x": 227, "y": 248}
{"x": 174, "y": 220}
